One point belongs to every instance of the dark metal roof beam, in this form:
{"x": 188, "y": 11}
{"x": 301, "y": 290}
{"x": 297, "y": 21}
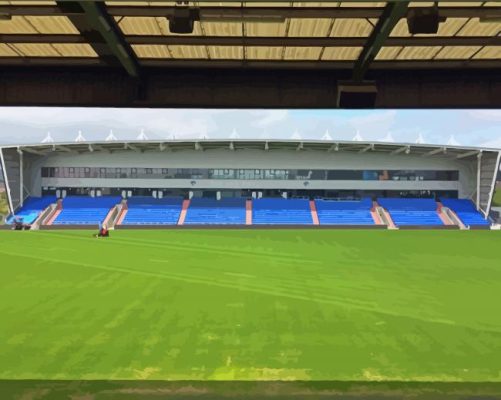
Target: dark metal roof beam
{"x": 102, "y": 32}
{"x": 252, "y": 64}
{"x": 250, "y": 12}
{"x": 261, "y": 41}
{"x": 392, "y": 13}
{"x": 87, "y": 32}
{"x": 311, "y": 41}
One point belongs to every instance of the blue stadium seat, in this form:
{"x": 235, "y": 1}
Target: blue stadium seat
{"x": 31, "y": 209}
{"x": 210, "y": 211}
{"x": 332, "y": 212}
{"x": 466, "y": 211}
{"x": 85, "y": 210}
{"x": 412, "y": 211}
{"x": 151, "y": 211}
{"x": 281, "y": 212}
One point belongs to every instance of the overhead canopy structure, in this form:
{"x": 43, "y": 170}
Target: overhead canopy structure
{"x": 249, "y": 54}
{"x": 141, "y": 146}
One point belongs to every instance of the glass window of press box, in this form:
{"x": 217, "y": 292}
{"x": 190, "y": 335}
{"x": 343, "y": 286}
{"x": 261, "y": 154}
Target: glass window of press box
{"x": 248, "y": 174}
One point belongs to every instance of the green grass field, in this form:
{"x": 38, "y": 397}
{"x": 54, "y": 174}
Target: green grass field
{"x": 202, "y": 305}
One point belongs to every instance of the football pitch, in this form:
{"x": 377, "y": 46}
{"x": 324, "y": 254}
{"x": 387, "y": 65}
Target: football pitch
{"x": 251, "y": 305}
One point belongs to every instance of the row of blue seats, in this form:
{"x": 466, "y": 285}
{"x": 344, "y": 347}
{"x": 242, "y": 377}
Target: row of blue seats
{"x": 466, "y": 211}
{"x": 342, "y": 205}
{"x": 405, "y": 211}
{"x": 151, "y": 211}
{"x": 151, "y": 202}
{"x": 83, "y": 210}
{"x": 265, "y": 211}
{"x": 270, "y": 211}
{"x": 404, "y": 217}
{"x": 331, "y": 212}
{"x": 31, "y": 209}
{"x": 166, "y": 211}
{"x": 210, "y": 211}
{"x": 346, "y": 217}
{"x": 409, "y": 204}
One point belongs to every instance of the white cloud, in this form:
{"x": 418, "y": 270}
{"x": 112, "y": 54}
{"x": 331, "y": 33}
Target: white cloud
{"x": 269, "y": 117}
{"x": 374, "y": 119}
{"x": 495, "y": 143}
{"x": 181, "y": 123}
{"x": 371, "y": 124}
{"x": 489, "y": 115}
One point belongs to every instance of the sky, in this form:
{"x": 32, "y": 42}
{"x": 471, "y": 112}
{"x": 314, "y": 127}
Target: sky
{"x": 19, "y": 125}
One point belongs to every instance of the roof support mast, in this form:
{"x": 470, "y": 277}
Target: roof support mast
{"x": 392, "y": 13}
{"x": 102, "y": 32}
{"x": 6, "y": 182}
{"x": 493, "y": 184}
{"x": 359, "y": 93}
{"x": 21, "y": 177}
{"x": 479, "y": 171}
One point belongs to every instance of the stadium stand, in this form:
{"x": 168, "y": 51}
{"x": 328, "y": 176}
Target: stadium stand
{"x": 281, "y": 211}
{"x": 84, "y": 210}
{"x": 150, "y": 211}
{"x": 412, "y": 211}
{"x": 331, "y": 212}
{"x": 32, "y": 208}
{"x": 211, "y": 211}
{"x": 466, "y": 211}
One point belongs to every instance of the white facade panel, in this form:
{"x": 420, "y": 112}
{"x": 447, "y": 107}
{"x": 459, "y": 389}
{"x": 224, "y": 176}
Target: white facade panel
{"x": 275, "y": 159}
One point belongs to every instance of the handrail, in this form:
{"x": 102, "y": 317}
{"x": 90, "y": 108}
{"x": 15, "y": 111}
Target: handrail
{"x": 43, "y": 216}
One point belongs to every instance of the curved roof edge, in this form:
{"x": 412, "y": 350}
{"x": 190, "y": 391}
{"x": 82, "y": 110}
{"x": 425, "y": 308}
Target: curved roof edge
{"x": 243, "y": 143}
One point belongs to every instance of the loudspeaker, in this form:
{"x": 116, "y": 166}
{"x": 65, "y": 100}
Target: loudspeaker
{"x": 356, "y": 94}
{"x": 182, "y": 21}
{"x": 423, "y": 20}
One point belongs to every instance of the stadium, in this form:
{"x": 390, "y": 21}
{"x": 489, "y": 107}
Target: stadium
{"x": 249, "y": 268}
{"x": 296, "y": 183}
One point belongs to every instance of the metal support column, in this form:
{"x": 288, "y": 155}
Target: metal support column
{"x": 479, "y": 167}
{"x": 21, "y": 178}
{"x": 6, "y": 182}
{"x": 493, "y": 184}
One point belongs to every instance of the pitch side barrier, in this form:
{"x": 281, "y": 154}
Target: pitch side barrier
{"x": 227, "y": 227}
{"x": 479, "y": 227}
{"x": 214, "y": 226}
{"x": 68, "y": 226}
{"x": 428, "y": 227}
